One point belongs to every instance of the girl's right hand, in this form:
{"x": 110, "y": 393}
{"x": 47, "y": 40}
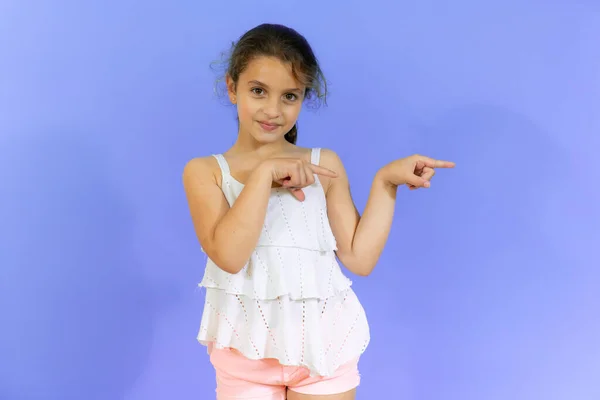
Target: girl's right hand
{"x": 295, "y": 174}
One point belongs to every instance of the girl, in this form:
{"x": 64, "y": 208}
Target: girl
{"x": 280, "y": 320}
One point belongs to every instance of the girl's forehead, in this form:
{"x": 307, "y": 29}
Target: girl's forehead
{"x": 270, "y": 71}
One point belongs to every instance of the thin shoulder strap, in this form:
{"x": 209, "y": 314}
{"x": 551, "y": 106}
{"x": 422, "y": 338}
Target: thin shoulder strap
{"x": 222, "y": 164}
{"x": 315, "y": 156}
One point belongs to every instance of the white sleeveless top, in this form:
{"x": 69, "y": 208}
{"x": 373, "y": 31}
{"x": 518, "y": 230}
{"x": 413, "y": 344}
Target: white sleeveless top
{"x": 291, "y": 300}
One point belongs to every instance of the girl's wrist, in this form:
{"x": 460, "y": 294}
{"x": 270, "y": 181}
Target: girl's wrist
{"x": 382, "y": 178}
{"x": 263, "y": 168}
{"x": 263, "y": 173}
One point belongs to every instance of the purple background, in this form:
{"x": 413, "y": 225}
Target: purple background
{"x": 489, "y": 286}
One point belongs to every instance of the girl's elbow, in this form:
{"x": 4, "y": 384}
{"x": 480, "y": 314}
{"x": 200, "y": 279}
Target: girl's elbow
{"x": 231, "y": 266}
{"x": 232, "y": 270}
{"x": 356, "y": 266}
{"x": 228, "y": 262}
{"x": 363, "y": 271}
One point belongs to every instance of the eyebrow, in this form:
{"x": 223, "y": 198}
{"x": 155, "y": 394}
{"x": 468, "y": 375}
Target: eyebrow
{"x": 259, "y": 83}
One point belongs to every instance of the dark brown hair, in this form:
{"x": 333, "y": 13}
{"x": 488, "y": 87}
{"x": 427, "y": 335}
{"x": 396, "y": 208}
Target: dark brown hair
{"x": 273, "y": 40}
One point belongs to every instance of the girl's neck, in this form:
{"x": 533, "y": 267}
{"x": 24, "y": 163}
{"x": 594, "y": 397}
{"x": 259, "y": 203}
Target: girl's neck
{"x": 247, "y": 144}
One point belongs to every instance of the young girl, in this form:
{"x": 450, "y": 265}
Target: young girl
{"x": 280, "y": 320}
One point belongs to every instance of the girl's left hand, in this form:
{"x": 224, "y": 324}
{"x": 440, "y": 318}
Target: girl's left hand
{"x": 415, "y": 171}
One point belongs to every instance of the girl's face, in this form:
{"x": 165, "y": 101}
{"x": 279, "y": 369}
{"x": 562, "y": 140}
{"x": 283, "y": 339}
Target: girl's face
{"x": 268, "y": 99}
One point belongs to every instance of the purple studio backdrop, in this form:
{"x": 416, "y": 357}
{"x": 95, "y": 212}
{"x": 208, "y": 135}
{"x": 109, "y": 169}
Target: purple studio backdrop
{"x": 489, "y": 286}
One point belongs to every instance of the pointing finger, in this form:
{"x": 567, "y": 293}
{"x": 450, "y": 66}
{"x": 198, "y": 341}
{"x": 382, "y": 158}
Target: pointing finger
{"x": 443, "y": 164}
{"x": 433, "y": 163}
{"x": 317, "y": 169}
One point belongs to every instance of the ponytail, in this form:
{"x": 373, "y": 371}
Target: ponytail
{"x": 292, "y": 135}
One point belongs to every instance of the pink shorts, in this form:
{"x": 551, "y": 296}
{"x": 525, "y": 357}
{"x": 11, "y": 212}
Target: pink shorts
{"x": 241, "y": 378}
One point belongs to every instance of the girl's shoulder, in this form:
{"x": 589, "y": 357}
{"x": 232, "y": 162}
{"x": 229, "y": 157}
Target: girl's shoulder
{"x": 326, "y": 156}
{"x": 331, "y": 160}
{"x": 205, "y": 169}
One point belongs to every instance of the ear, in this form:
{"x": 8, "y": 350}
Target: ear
{"x": 231, "y": 92}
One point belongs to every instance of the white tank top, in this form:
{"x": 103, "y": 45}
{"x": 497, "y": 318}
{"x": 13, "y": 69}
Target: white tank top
{"x": 291, "y": 300}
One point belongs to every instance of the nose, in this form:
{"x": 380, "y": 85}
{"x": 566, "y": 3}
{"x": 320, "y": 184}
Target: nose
{"x": 272, "y": 109}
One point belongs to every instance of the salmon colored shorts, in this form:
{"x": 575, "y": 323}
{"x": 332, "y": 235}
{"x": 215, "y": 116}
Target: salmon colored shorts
{"x": 241, "y": 378}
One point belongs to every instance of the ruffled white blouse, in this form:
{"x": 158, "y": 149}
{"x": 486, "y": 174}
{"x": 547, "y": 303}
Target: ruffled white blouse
{"x": 291, "y": 301}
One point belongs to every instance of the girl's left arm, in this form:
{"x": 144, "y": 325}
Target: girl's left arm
{"x": 361, "y": 239}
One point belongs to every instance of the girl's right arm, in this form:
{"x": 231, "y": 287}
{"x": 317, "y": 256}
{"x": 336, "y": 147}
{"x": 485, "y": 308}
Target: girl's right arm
{"x": 228, "y": 234}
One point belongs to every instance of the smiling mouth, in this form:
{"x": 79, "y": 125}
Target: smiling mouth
{"x": 268, "y": 126}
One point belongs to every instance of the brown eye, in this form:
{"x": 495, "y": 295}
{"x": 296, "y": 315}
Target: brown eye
{"x": 257, "y": 91}
{"x": 291, "y": 97}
